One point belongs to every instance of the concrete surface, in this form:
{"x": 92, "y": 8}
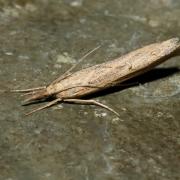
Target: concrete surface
{"x": 39, "y": 40}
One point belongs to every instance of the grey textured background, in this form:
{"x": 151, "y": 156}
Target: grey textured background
{"x": 39, "y": 40}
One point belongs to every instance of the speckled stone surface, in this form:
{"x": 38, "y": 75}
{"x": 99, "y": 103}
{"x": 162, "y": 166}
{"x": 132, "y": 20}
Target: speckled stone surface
{"x": 41, "y": 39}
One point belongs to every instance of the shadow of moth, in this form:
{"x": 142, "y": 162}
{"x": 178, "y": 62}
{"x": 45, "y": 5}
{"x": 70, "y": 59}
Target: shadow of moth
{"x": 71, "y": 87}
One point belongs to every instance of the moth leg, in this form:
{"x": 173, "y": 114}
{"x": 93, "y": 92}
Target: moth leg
{"x": 29, "y": 90}
{"x": 28, "y": 93}
{"x": 45, "y": 106}
{"x": 91, "y": 102}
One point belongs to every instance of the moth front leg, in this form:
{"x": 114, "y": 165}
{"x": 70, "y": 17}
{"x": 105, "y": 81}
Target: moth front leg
{"x": 45, "y": 106}
{"x": 29, "y": 90}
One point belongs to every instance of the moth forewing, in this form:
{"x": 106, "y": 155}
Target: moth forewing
{"x": 116, "y": 71}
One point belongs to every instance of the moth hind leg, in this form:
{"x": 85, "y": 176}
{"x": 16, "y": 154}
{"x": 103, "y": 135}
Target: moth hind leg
{"x": 91, "y": 102}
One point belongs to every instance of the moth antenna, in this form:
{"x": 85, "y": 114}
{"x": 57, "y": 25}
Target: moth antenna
{"x": 67, "y": 73}
{"x": 43, "y": 107}
{"x": 81, "y": 59}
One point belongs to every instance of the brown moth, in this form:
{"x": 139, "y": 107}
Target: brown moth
{"x": 71, "y": 87}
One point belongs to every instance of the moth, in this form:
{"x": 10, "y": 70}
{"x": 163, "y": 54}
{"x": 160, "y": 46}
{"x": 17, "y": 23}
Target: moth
{"x": 72, "y": 87}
